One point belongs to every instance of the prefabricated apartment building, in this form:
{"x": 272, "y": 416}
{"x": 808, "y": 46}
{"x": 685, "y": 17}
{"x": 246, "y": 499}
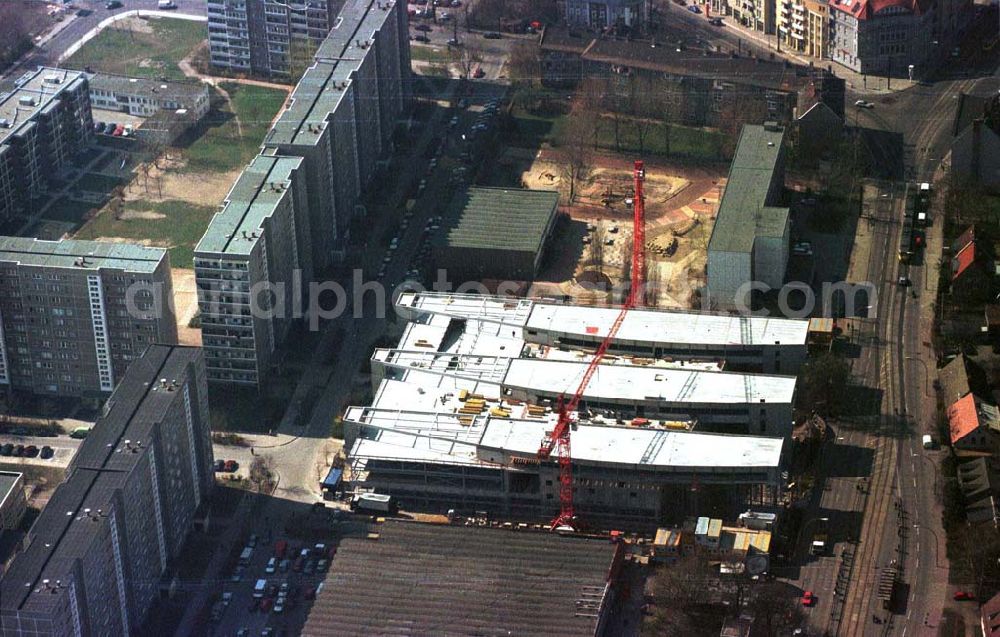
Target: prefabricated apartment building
{"x": 288, "y": 214}
{"x": 463, "y": 403}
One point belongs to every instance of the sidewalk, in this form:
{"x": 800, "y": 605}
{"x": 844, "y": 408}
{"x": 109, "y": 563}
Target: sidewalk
{"x": 857, "y": 82}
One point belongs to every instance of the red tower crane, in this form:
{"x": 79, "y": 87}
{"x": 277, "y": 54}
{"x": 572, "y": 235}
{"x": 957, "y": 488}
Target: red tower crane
{"x": 559, "y": 438}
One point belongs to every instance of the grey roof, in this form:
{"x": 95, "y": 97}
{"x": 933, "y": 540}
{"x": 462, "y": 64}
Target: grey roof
{"x": 184, "y": 93}
{"x": 774, "y": 74}
{"x": 954, "y": 380}
{"x": 68, "y": 253}
{"x": 426, "y": 579}
{"x": 61, "y": 533}
{"x": 33, "y": 92}
{"x": 324, "y": 84}
{"x": 7, "y": 480}
{"x": 744, "y": 212}
{"x": 498, "y": 218}
{"x": 252, "y": 199}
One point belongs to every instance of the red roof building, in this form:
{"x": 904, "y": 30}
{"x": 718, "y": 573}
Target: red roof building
{"x": 972, "y": 269}
{"x": 973, "y": 425}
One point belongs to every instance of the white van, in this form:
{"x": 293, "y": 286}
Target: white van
{"x": 258, "y": 589}
{"x": 928, "y": 441}
{"x": 166, "y": 4}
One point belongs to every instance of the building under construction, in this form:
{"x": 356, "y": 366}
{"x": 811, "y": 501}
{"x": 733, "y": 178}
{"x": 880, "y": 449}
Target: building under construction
{"x": 462, "y": 405}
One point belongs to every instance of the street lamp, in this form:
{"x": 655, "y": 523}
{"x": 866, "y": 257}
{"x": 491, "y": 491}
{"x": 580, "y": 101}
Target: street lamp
{"x": 927, "y": 374}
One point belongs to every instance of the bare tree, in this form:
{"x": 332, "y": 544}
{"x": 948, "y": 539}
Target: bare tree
{"x": 261, "y": 474}
{"x": 576, "y": 143}
{"x": 466, "y": 57}
{"x": 15, "y": 37}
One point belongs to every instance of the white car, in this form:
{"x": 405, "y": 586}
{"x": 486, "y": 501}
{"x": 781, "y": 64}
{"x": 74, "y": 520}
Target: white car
{"x": 864, "y": 104}
{"x": 272, "y": 565}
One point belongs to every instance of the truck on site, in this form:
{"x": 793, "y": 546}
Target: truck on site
{"x": 819, "y": 544}
{"x": 374, "y": 503}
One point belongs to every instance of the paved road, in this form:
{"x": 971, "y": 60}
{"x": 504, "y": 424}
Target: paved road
{"x": 76, "y": 27}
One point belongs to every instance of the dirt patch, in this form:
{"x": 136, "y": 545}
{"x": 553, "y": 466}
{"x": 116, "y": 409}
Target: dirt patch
{"x": 143, "y": 242}
{"x": 185, "y": 305}
{"x": 142, "y": 214}
{"x": 134, "y": 24}
{"x": 165, "y": 182}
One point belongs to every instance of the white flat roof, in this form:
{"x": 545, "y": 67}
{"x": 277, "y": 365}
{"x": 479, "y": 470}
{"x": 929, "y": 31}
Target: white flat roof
{"x": 640, "y": 325}
{"x": 637, "y": 383}
{"x": 638, "y": 446}
{"x": 656, "y": 326}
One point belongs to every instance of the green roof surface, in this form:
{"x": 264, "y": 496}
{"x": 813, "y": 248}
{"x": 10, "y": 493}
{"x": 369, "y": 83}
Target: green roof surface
{"x": 498, "y": 218}
{"x": 253, "y": 198}
{"x": 744, "y": 212}
{"x": 68, "y": 252}
{"x": 323, "y": 85}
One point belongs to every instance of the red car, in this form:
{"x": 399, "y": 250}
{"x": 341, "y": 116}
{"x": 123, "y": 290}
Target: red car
{"x": 479, "y": 73}
{"x": 963, "y": 596}
{"x": 118, "y": 130}
{"x": 310, "y": 593}
{"x": 279, "y": 549}
{"x": 266, "y": 604}
{"x": 808, "y": 599}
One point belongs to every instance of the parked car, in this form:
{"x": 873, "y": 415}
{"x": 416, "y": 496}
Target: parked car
{"x": 423, "y": 27}
{"x": 6, "y": 449}
{"x": 98, "y": 127}
{"x": 272, "y": 566}
{"x": 694, "y": 9}
{"x": 220, "y": 465}
{"x": 479, "y": 73}
{"x": 19, "y": 451}
{"x": 118, "y": 131}
{"x": 963, "y": 596}
{"x": 716, "y": 22}
{"x": 493, "y": 35}
{"x": 864, "y": 104}
{"x": 47, "y": 452}
{"x": 231, "y": 466}
{"x": 114, "y": 4}
{"x": 808, "y": 599}
{"x": 454, "y": 42}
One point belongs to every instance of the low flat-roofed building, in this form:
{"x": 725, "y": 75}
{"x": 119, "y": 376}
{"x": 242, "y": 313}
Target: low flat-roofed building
{"x": 74, "y": 314}
{"x": 95, "y": 555}
{"x": 143, "y": 96}
{"x": 495, "y": 233}
{"x": 445, "y": 430}
{"x": 12, "y": 500}
{"x": 436, "y": 579}
{"x": 767, "y": 344}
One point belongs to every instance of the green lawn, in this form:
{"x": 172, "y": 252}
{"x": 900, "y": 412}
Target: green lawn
{"x": 94, "y": 182}
{"x": 218, "y": 145}
{"x": 429, "y": 54}
{"x": 128, "y": 52}
{"x": 181, "y": 227}
{"x": 661, "y": 138}
{"x": 534, "y": 129}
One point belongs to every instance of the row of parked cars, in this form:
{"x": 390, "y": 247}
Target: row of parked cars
{"x": 226, "y": 466}
{"x": 113, "y": 129}
{"x": 25, "y": 451}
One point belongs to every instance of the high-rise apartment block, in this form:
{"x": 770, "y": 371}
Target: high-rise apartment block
{"x": 342, "y": 114}
{"x": 96, "y": 554}
{"x": 292, "y": 208}
{"x": 272, "y": 38}
{"x": 44, "y": 121}
{"x": 75, "y": 314}
{"x": 261, "y": 236}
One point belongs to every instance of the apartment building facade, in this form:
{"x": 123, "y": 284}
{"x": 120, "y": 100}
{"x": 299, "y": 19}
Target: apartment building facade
{"x": 75, "y": 314}
{"x": 803, "y": 26}
{"x": 249, "y": 270}
{"x": 95, "y": 556}
{"x": 44, "y": 121}
{"x": 342, "y": 114}
{"x": 606, "y": 14}
{"x": 269, "y": 38}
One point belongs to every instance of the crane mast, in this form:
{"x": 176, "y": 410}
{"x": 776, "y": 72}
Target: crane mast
{"x": 558, "y": 439}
